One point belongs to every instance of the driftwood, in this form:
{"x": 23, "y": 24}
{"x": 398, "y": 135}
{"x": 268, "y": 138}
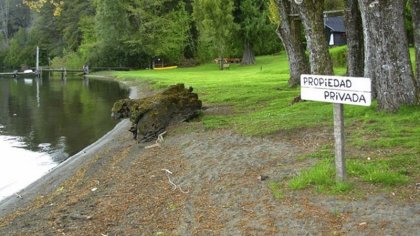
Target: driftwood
{"x": 151, "y": 115}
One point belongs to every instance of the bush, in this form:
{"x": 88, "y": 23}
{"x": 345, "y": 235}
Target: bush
{"x": 339, "y": 56}
{"x": 70, "y": 60}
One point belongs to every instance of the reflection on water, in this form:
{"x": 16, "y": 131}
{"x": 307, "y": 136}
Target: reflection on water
{"x": 43, "y": 122}
{"x": 19, "y": 167}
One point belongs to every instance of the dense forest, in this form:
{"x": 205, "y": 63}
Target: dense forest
{"x": 131, "y": 32}
{"x": 134, "y": 33}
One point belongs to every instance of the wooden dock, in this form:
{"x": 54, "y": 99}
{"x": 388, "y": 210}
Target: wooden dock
{"x": 15, "y": 74}
{"x": 63, "y": 72}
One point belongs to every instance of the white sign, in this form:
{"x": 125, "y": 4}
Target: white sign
{"x": 336, "y": 89}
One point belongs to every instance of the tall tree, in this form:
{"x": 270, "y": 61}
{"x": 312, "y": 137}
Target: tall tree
{"x": 159, "y": 28}
{"x": 254, "y": 26}
{"x": 70, "y": 19}
{"x": 111, "y": 26}
{"x": 311, "y": 13}
{"x": 289, "y": 31}
{"x": 354, "y": 32}
{"x": 46, "y": 33}
{"x": 4, "y": 21}
{"x": 416, "y": 26}
{"x": 19, "y": 16}
{"x": 20, "y": 51}
{"x": 387, "y": 59}
{"x": 214, "y": 21}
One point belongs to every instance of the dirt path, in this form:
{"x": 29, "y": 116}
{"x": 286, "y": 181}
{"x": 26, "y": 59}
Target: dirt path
{"x": 213, "y": 188}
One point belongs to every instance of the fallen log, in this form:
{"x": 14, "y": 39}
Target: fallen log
{"x": 151, "y": 115}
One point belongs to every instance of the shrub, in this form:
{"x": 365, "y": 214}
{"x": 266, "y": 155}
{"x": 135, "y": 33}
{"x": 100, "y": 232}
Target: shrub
{"x": 339, "y": 56}
{"x": 70, "y": 60}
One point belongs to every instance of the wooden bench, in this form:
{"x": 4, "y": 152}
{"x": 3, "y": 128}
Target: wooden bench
{"x": 226, "y": 66}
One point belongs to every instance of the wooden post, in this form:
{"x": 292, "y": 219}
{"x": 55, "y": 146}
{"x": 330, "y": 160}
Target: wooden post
{"x": 37, "y": 59}
{"x": 340, "y": 161}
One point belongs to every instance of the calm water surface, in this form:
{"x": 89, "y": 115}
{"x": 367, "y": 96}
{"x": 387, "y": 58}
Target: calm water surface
{"x": 44, "y": 121}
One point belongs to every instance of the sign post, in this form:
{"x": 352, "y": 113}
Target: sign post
{"x": 338, "y": 90}
{"x": 340, "y": 160}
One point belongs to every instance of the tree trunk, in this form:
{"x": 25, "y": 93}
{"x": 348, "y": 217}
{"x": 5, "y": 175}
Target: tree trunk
{"x": 4, "y": 16}
{"x": 248, "y": 57}
{"x": 289, "y": 33}
{"x": 311, "y": 13}
{"x": 354, "y": 32}
{"x": 387, "y": 60}
{"x": 150, "y": 116}
{"x": 221, "y": 62}
{"x": 416, "y": 27}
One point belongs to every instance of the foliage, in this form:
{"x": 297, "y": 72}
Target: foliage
{"x": 13, "y": 16}
{"x": 3, "y": 52}
{"x": 255, "y": 28}
{"x": 69, "y": 22}
{"x": 55, "y": 35}
{"x": 331, "y": 5}
{"x": 46, "y": 34}
{"x": 87, "y": 47}
{"x": 111, "y": 27}
{"x": 408, "y": 21}
{"x": 19, "y": 16}
{"x": 70, "y": 60}
{"x": 273, "y": 13}
{"x": 160, "y": 29}
{"x": 215, "y": 25}
{"x": 130, "y": 32}
{"x": 339, "y": 56}
{"x": 21, "y": 50}
{"x": 38, "y": 4}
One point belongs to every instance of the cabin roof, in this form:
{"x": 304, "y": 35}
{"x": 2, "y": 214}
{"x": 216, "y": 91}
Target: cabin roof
{"x": 335, "y": 23}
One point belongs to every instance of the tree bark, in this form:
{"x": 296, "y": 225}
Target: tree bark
{"x": 354, "y": 32}
{"x": 248, "y": 57}
{"x": 387, "y": 60}
{"x": 4, "y": 16}
{"x": 416, "y": 27}
{"x": 221, "y": 62}
{"x": 289, "y": 33}
{"x": 311, "y": 13}
{"x": 150, "y": 116}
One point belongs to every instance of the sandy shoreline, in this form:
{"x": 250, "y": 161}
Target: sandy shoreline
{"x": 57, "y": 175}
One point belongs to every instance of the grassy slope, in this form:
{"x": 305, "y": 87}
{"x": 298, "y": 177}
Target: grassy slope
{"x": 260, "y": 99}
{"x": 258, "y": 94}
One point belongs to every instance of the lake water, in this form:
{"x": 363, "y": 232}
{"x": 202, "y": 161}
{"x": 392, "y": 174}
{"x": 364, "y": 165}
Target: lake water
{"x": 45, "y": 121}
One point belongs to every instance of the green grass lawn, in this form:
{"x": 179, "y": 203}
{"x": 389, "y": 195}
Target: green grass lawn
{"x": 260, "y": 100}
{"x": 258, "y": 94}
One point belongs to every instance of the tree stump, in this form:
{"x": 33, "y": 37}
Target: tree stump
{"x": 151, "y": 115}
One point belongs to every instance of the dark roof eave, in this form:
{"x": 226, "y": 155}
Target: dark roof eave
{"x": 333, "y": 30}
